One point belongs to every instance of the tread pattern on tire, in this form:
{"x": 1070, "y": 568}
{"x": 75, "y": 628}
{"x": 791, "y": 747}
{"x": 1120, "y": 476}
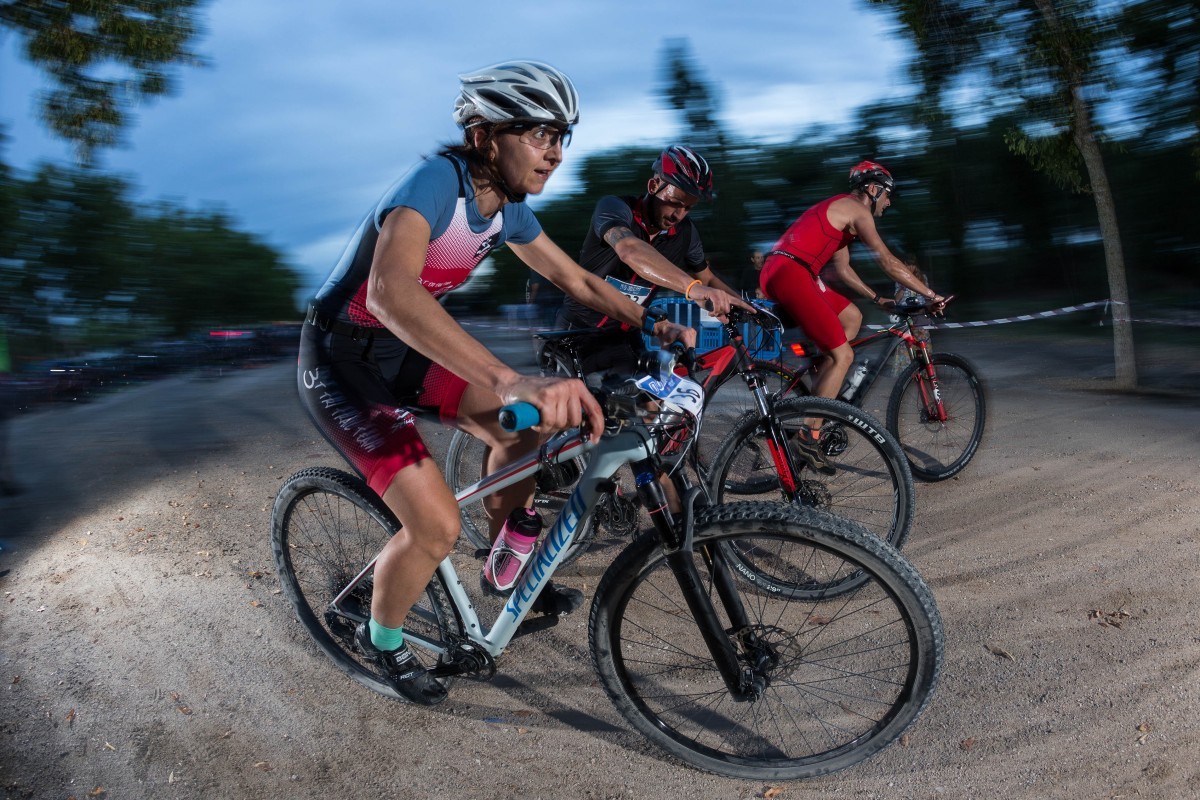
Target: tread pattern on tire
{"x": 901, "y": 582}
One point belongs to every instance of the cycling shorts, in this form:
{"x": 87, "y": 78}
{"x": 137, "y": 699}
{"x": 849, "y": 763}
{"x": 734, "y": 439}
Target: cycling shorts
{"x": 813, "y": 305}
{"x": 360, "y": 393}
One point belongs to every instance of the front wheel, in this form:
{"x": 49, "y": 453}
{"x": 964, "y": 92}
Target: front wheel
{"x": 841, "y": 676}
{"x": 938, "y": 448}
{"x": 326, "y": 527}
{"x": 871, "y": 485}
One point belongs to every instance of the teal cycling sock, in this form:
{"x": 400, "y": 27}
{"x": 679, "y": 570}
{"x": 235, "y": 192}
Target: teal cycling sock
{"x": 386, "y": 639}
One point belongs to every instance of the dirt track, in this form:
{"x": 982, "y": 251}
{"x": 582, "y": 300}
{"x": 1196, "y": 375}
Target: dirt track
{"x": 146, "y": 651}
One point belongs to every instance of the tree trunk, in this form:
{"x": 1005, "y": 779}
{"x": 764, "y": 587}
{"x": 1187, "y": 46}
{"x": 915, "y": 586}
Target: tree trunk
{"x": 1114, "y": 256}
{"x": 1106, "y": 211}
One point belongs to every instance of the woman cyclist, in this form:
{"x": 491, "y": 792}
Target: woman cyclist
{"x": 377, "y": 341}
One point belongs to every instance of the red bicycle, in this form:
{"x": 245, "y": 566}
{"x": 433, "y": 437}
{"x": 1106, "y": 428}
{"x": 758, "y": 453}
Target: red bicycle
{"x": 937, "y": 408}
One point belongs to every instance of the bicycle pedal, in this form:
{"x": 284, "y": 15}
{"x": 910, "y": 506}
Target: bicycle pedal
{"x": 466, "y": 660}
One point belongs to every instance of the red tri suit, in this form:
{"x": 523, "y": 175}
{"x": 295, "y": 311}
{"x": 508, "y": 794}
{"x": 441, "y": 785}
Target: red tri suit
{"x": 791, "y": 275}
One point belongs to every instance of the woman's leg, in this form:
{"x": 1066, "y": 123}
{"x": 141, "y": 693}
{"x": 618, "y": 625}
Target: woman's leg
{"x": 478, "y": 415}
{"x": 421, "y": 500}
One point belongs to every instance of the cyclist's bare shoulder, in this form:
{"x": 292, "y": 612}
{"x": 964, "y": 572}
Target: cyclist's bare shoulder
{"x": 848, "y": 213}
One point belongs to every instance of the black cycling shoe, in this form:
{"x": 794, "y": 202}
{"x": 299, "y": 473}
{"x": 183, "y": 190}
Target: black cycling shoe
{"x": 401, "y": 669}
{"x": 810, "y": 450}
{"x": 554, "y": 601}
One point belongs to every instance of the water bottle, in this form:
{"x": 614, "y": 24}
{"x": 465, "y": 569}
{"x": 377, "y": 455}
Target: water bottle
{"x": 512, "y": 548}
{"x": 855, "y": 380}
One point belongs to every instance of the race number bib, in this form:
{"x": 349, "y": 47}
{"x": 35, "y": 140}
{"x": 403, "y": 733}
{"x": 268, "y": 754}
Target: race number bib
{"x": 682, "y": 393}
{"x": 638, "y": 294}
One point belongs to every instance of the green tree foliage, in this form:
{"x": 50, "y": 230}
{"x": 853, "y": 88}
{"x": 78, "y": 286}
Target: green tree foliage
{"x": 1043, "y": 61}
{"x": 102, "y": 57}
{"x": 78, "y": 255}
{"x": 1166, "y": 34}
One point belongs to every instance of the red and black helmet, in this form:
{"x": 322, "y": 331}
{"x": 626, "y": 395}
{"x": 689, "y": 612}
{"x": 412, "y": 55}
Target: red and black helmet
{"x": 868, "y": 172}
{"x": 685, "y": 169}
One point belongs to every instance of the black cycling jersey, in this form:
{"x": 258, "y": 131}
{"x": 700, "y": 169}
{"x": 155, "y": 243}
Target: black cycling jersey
{"x": 680, "y": 245}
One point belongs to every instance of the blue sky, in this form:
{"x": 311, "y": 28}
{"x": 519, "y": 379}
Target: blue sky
{"x": 308, "y": 110}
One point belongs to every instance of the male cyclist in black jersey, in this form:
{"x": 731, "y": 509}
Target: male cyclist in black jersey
{"x": 638, "y": 244}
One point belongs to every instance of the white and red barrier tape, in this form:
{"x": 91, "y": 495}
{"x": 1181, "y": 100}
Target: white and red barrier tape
{"x": 1190, "y": 323}
{"x": 1005, "y": 320}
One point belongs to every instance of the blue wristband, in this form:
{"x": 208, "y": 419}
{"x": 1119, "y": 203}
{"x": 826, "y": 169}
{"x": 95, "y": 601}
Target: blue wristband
{"x": 648, "y": 323}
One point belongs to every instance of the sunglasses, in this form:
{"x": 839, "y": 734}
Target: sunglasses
{"x": 540, "y": 135}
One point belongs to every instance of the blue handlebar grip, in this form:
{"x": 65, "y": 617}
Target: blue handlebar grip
{"x": 519, "y": 416}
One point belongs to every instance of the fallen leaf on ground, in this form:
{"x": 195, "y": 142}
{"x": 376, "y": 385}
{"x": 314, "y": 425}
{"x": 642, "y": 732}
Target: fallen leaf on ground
{"x": 71, "y": 717}
{"x": 1111, "y": 619}
{"x": 967, "y": 744}
{"x": 265, "y": 766}
{"x": 1144, "y": 728}
{"x": 772, "y": 791}
{"x": 1000, "y": 651}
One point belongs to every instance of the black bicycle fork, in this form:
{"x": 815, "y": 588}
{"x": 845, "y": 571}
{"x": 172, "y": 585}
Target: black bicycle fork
{"x": 744, "y": 676}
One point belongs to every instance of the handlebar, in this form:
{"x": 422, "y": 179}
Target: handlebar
{"x": 912, "y": 306}
{"x": 761, "y": 316}
{"x": 623, "y": 402}
{"x": 519, "y": 416}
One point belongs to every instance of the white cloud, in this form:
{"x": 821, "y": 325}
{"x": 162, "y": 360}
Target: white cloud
{"x": 310, "y": 110}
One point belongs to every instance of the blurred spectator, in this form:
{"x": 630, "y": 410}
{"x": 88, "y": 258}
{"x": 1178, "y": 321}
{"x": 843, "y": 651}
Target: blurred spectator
{"x": 546, "y": 299}
{"x": 756, "y": 261}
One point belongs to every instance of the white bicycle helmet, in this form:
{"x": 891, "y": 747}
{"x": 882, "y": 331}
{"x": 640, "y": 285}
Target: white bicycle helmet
{"x": 526, "y": 90}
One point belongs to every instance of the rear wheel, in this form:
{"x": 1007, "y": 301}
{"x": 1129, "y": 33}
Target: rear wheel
{"x": 841, "y": 675}
{"x": 938, "y": 449}
{"x": 326, "y": 527}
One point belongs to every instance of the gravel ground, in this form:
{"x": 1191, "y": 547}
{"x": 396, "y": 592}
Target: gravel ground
{"x": 147, "y": 652}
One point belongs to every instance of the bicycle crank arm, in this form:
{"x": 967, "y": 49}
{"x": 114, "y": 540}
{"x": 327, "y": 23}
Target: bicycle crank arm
{"x": 467, "y": 660}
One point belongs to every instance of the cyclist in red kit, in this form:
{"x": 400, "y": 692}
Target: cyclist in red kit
{"x": 821, "y": 236}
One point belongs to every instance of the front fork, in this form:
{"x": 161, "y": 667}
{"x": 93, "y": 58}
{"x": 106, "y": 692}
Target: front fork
{"x": 927, "y": 385}
{"x": 777, "y": 442}
{"x": 676, "y": 536}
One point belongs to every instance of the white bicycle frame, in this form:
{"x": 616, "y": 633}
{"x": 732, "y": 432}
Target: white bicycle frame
{"x": 608, "y": 455}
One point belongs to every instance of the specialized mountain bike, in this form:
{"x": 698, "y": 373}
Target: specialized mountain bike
{"x": 752, "y": 640}
{"x": 872, "y": 483}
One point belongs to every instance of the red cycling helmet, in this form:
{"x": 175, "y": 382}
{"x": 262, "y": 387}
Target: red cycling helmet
{"x": 868, "y": 172}
{"x": 685, "y": 169}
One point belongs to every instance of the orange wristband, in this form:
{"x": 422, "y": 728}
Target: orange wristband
{"x": 688, "y": 291}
